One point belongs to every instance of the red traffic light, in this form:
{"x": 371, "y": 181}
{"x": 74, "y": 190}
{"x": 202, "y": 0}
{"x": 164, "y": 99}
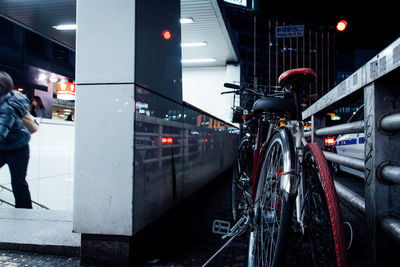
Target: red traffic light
{"x": 166, "y": 34}
{"x": 341, "y": 26}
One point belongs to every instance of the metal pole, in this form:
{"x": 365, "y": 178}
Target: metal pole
{"x": 353, "y": 127}
{"x": 391, "y": 123}
{"x": 391, "y": 226}
{"x": 391, "y": 174}
{"x": 355, "y": 200}
{"x": 354, "y": 163}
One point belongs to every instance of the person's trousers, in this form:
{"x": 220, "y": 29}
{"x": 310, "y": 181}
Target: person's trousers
{"x": 17, "y": 161}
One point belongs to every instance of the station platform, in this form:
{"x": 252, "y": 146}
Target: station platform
{"x": 41, "y": 231}
{"x": 184, "y": 238}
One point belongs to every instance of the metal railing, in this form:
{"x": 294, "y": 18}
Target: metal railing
{"x": 3, "y": 201}
{"x": 378, "y": 81}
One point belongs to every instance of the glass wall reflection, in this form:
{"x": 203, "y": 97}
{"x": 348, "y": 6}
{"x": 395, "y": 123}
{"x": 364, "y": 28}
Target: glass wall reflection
{"x": 178, "y": 149}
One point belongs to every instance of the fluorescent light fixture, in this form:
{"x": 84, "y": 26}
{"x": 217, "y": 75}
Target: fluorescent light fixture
{"x": 237, "y": 2}
{"x": 53, "y": 78}
{"x": 42, "y": 77}
{"x": 199, "y": 60}
{"x": 196, "y": 44}
{"x": 65, "y": 27}
{"x": 186, "y": 20}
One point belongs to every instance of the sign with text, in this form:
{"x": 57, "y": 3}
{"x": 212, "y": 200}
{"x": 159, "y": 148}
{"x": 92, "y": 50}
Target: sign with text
{"x": 237, "y": 2}
{"x": 289, "y": 31}
{"x": 66, "y": 91}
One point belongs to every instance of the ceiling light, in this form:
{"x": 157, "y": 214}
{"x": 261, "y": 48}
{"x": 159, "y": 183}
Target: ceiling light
{"x": 42, "y": 77}
{"x": 65, "y": 27}
{"x": 199, "y": 60}
{"x": 194, "y": 44}
{"x": 186, "y": 20}
{"x": 53, "y": 78}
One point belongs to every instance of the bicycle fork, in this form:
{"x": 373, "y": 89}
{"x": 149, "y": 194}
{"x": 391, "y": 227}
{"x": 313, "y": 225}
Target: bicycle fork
{"x": 300, "y": 143}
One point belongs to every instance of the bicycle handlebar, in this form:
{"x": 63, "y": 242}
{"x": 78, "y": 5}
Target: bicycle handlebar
{"x": 231, "y": 85}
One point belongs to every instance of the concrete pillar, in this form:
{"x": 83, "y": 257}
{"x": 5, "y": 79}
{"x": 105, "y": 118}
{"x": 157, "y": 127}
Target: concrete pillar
{"x": 104, "y": 156}
{"x": 119, "y": 45}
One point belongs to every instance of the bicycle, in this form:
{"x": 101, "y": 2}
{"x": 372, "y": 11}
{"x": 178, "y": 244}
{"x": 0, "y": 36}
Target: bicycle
{"x": 290, "y": 203}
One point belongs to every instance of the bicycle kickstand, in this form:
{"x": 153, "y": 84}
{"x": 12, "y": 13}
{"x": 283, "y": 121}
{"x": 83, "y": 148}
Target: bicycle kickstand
{"x": 220, "y": 227}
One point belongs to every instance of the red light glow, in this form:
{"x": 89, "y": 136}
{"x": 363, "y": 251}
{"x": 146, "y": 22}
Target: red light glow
{"x": 166, "y": 34}
{"x": 341, "y": 26}
{"x": 165, "y": 140}
{"x": 330, "y": 141}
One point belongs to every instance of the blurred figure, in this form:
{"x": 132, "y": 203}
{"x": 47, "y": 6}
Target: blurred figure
{"x": 37, "y": 108}
{"x": 69, "y": 117}
{"x": 14, "y": 139}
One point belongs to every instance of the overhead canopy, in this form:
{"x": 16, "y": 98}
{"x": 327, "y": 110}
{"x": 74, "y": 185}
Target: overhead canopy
{"x": 41, "y": 15}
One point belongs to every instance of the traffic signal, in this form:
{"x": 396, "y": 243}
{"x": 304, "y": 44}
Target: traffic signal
{"x": 341, "y": 26}
{"x": 166, "y": 34}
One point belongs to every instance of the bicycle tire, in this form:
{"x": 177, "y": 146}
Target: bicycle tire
{"x": 324, "y": 229}
{"x": 273, "y": 207}
{"x": 240, "y": 169}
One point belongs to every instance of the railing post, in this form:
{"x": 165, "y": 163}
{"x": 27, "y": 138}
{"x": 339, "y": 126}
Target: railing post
{"x": 318, "y": 121}
{"x": 381, "y": 198}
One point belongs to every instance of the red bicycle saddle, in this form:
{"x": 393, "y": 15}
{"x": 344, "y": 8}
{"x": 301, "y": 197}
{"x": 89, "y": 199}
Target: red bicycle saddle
{"x": 297, "y": 76}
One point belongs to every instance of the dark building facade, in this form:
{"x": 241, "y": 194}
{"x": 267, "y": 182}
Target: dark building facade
{"x": 269, "y": 44}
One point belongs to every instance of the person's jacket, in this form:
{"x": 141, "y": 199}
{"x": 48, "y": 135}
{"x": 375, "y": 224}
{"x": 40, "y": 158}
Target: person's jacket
{"x": 13, "y": 133}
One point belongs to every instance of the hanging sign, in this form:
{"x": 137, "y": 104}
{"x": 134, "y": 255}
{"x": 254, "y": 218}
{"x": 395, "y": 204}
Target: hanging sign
{"x": 66, "y": 91}
{"x": 289, "y": 31}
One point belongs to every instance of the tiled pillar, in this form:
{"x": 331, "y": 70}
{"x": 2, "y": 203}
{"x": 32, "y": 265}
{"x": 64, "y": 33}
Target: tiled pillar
{"x": 104, "y": 155}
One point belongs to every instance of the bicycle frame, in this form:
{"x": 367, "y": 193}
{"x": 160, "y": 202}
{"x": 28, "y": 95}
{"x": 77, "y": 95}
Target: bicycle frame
{"x": 292, "y": 176}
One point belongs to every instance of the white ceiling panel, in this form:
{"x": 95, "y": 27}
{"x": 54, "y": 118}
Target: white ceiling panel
{"x": 41, "y": 15}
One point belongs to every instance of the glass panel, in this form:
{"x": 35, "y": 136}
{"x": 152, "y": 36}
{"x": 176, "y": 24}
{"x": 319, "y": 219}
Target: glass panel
{"x": 159, "y": 150}
{"x": 178, "y": 150}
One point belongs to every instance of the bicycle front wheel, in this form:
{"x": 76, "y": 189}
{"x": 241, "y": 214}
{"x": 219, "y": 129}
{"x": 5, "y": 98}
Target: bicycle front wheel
{"x": 273, "y": 207}
{"x": 323, "y": 239}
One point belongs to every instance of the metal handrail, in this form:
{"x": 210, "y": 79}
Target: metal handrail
{"x": 391, "y": 122}
{"x": 6, "y": 202}
{"x": 354, "y": 199}
{"x": 352, "y": 127}
{"x": 391, "y": 226}
{"x": 351, "y": 162}
{"x": 377, "y": 81}
{"x": 391, "y": 174}
{"x": 33, "y": 202}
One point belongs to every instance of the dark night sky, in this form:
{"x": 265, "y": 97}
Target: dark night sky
{"x": 370, "y": 26}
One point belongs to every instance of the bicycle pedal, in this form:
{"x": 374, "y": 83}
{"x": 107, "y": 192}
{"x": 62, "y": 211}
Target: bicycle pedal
{"x": 221, "y": 227}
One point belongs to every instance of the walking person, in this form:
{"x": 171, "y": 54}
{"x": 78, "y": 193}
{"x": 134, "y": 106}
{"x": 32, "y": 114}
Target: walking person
{"x": 14, "y": 139}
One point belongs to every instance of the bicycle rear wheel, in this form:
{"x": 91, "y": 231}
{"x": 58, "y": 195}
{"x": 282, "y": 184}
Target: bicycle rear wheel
{"x": 323, "y": 241}
{"x": 273, "y": 207}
